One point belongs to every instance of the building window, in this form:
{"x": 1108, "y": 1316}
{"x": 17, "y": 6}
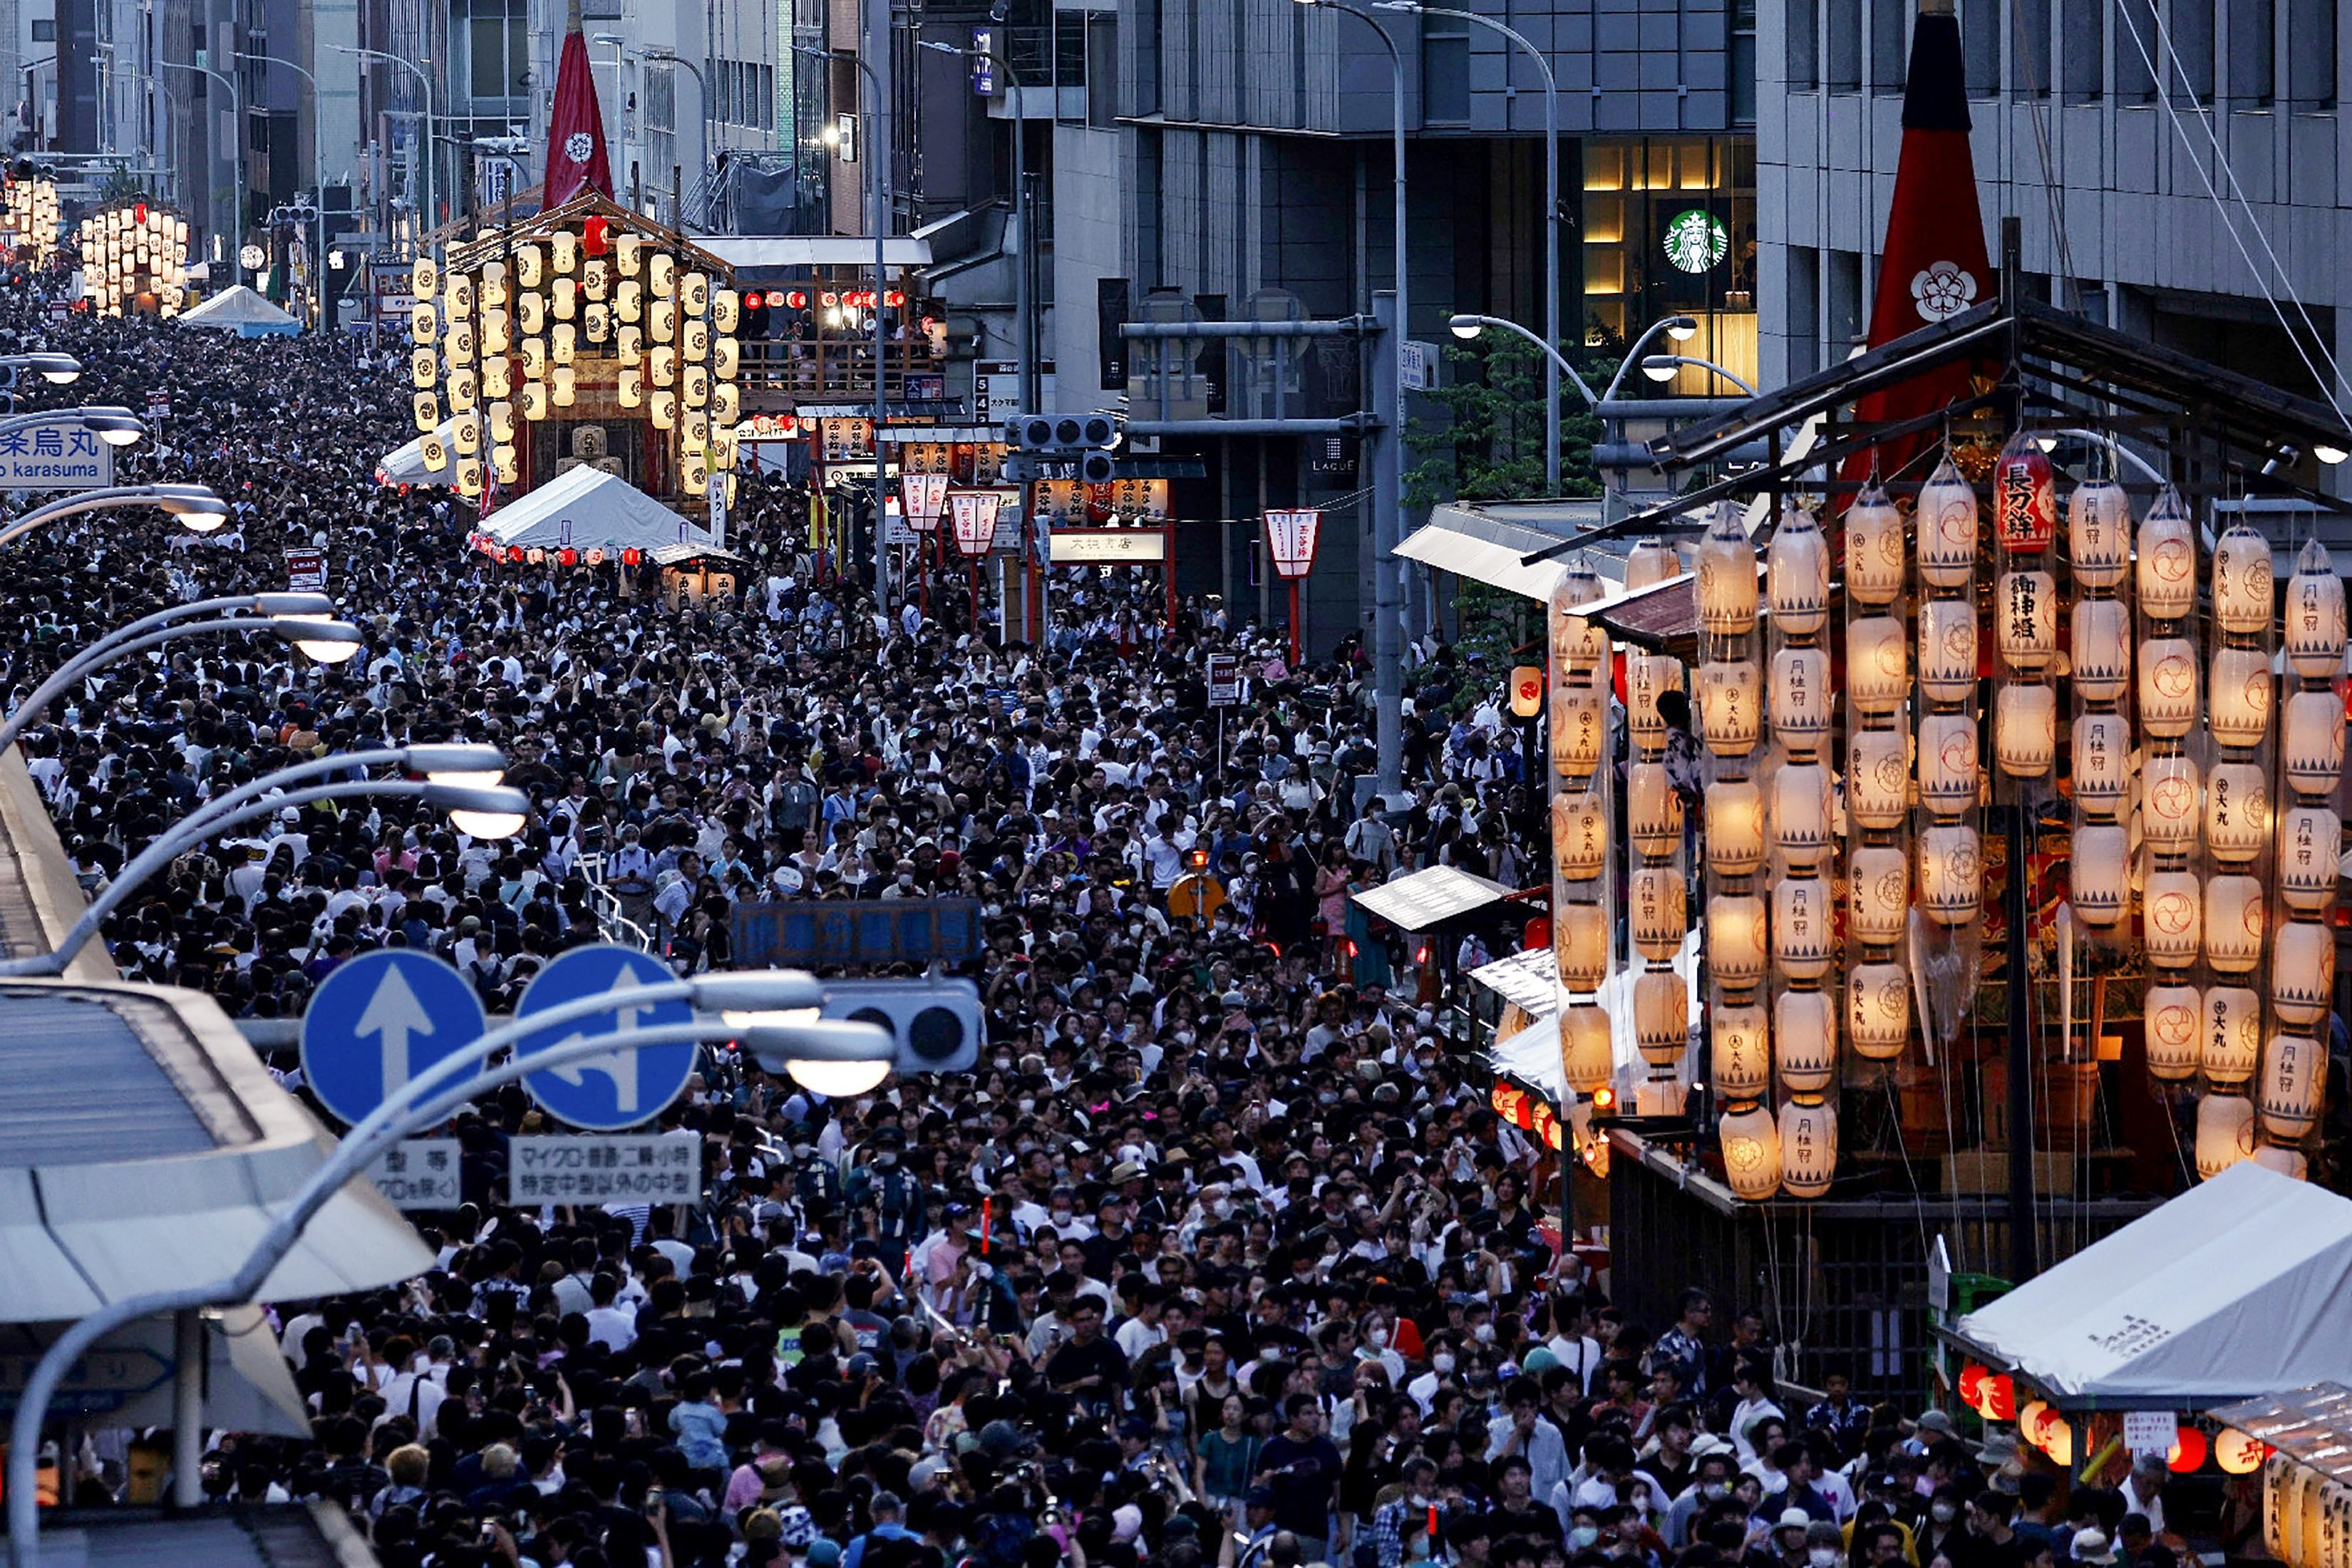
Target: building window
{"x": 1804, "y": 51}
{"x": 1742, "y": 62}
{"x": 491, "y": 39}
{"x": 45, "y": 30}
{"x": 2135, "y": 50}
{"x": 1445, "y": 68}
{"x": 2085, "y": 48}
{"x": 1669, "y": 229}
{"x": 2253, "y": 62}
{"x": 1804, "y": 310}
{"x": 2311, "y": 55}
{"x": 1981, "y": 25}
{"x": 2192, "y": 26}
{"x": 1890, "y": 64}
{"x": 1844, "y": 321}
{"x": 1102, "y": 69}
{"x": 1845, "y": 46}
{"x": 2030, "y": 64}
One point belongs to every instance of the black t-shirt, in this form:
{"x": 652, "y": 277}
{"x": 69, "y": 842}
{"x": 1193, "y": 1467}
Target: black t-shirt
{"x": 1536, "y": 1522}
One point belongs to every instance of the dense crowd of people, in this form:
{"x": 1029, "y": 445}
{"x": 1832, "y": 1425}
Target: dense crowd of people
{"x": 1219, "y": 1257}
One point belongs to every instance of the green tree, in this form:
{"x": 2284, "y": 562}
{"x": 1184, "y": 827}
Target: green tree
{"x": 1490, "y": 446}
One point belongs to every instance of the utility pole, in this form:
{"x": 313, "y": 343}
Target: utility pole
{"x": 1388, "y": 579}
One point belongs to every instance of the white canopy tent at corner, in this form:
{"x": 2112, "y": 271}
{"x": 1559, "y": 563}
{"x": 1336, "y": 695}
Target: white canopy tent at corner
{"x": 1525, "y": 980}
{"x": 588, "y": 509}
{"x": 2240, "y": 1286}
{"x": 404, "y": 464}
{"x": 239, "y": 309}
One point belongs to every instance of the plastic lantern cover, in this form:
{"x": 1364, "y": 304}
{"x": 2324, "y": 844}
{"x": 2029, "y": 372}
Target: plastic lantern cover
{"x": 1808, "y": 1147}
{"x": 1751, "y": 1154}
{"x": 1873, "y": 549}
{"x": 1727, "y": 577}
{"x": 1661, "y": 1016}
{"x": 2173, "y": 1015}
{"x": 1797, "y": 573}
{"x": 1948, "y": 527}
{"x": 1878, "y": 1010}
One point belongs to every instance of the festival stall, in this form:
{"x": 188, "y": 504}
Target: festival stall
{"x": 586, "y": 516}
{"x": 134, "y": 261}
{"x": 237, "y": 309}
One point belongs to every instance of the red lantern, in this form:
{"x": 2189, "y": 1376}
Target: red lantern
{"x": 2238, "y": 1453}
{"x": 1972, "y": 1384}
{"x": 1537, "y": 936}
{"x": 633, "y": 556}
{"x": 1545, "y": 1125}
{"x": 2188, "y": 1447}
{"x": 1509, "y": 1101}
{"x": 567, "y": 556}
{"x": 592, "y": 235}
{"x": 752, "y": 301}
{"x": 796, "y": 300}
{"x": 514, "y": 554}
{"x": 139, "y": 213}
{"x": 896, "y": 298}
{"x": 2000, "y": 1398}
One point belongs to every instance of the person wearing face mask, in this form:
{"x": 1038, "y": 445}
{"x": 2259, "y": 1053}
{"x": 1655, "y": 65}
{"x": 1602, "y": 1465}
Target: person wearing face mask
{"x": 1945, "y": 1534}
{"x": 888, "y": 1200}
{"x": 1443, "y": 1361}
{"x": 1711, "y": 1484}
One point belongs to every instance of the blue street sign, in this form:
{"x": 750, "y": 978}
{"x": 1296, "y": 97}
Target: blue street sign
{"x": 380, "y": 1019}
{"x": 620, "y": 1088}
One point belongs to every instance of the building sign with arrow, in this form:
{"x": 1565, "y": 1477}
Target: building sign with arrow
{"x": 380, "y": 1019}
{"x": 622, "y": 1088}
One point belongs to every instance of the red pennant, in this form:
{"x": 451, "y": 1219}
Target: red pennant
{"x": 575, "y": 130}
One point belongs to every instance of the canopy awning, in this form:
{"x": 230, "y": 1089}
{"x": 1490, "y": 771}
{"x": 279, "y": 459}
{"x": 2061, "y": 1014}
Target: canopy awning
{"x": 2241, "y": 1285}
{"x": 589, "y": 508}
{"x": 239, "y": 309}
{"x": 404, "y": 464}
{"x": 1484, "y": 549}
{"x": 1528, "y": 981}
{"x": 1427, "y": 900}
{"x": 2308, "y": 1424}
{"x": 741, "y": 250}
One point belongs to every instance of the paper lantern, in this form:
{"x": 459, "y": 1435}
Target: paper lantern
{"x": 2237, "y": 812}
{"x": 2239, "y": 696}
{"x": 1649, "y": 676}
{"x": 2098, "y": 534}
{"x": 1653, "y": 809}
{"x": 2234, "y": 923}
{"x": 1808, "y": 1147}
{"x": 1727, "y": 578}
{"x": 563, "y": 386}
{"x": 2225, "y": 1133}
{"x": 2243, "y": 585}
{"x": 2025, "y": 507}
{"x": 1585, "y": 1058}
{"x": 2175, "y": 1017}
{"x": 1948, "y": 649}
{"x": 1874, "y": 550}
{"x": 2025, "y": 619}
{"x": 1734, "y": 815}
{"x": 1729, "y": 702}
{"x": 1948, "y": 768}
{"x": 1739, "y": 1055}
{"x": 2290, "y": 1164}
{"x": 1800, "y": 813}
{"x": 2311, "y": 742}
{"x": 630, "y": 389}
{"x": 1797, "y": 573}
{"x": 2310, "y": 845}
{"x": 1580, "y": 945}
{"x": 1878, "y": 1010}
{"x": 2294, "y": 1080}
{"x": 2167, "y": 561}
{"x": 1801, "y": 927}
{"x": 1997, "y": 1398}
{"x": 2167, "y": 686}
{"x": 427, "y": 410}
{"x": 2236, "y": 1454}
{"x": 532, "y": 402}
{"x": 1801, "y": 699}
{"x": 2188, "y": 1450}
{"x": 2315, "y": 616}
{"x": 1878, "y": 894}
{"x": 2025, "y": 730}
{"x": 1948, "y": 527}
{"x": 1877, "y": 777}
{"x": 1804, "y": 1027}
{"x": 1579, "y": 728}
{"x": 1751, "y": 1154}
{"x": 1661, "y": 1016}
{"x": 1951, "y": 870}
{"x": 2171, "y": 788}
{"x": 1877, "y": 664}
{"x": 2173, "y": 913}
{"x": 661, "y": 407}
{"x": 1661, "y": 913}
{"x": 2100, "y": 645}
{"x": 2302, "y": 972}
{"x": 1579, "y": 835}
{"x": 2102, "y": 762}
{"x": 2102, "y": 873}
{"x": 1650, "y": 562}
{"x": 1739, "y": 936}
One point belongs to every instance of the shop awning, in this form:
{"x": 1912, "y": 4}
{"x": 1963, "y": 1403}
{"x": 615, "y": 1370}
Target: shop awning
{"x": 1527, "y": 981}
{"x": 2308, "y": 1424}
{"x": 814, "y": 250}
{"x": 1462, "y": 542}
{"x": 2241, "y": 1285}
{"x": 1427, "y": 900}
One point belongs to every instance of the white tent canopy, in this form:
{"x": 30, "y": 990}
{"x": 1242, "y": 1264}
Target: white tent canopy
{"x": 404, "y": 464}
{"x": 2240, "y": 1286}
{"x": 588, "y": 508}
{"x": 241, "y": 310}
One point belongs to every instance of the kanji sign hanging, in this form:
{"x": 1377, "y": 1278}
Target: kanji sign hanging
{"x": 1290, "y": 538}
{"x": 974, "y": 520}
{"x": 923, "y": 496}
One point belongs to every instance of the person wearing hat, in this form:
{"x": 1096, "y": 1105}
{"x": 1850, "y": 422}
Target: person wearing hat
{"x": 2093, "y": 1548}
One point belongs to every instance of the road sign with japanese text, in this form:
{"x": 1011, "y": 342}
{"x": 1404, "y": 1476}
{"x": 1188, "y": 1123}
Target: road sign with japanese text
{"x": 419, "y": 1174}
{"x": 656, "y": 1168}
{"x": 55, "y": 454}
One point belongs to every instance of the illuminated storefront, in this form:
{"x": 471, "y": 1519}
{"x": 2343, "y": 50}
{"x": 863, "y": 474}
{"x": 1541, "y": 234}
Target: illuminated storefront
{"x": 1669, "y": 228}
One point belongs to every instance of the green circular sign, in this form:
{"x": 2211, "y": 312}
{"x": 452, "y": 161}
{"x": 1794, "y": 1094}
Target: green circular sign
{"x": 1697, "y": 240}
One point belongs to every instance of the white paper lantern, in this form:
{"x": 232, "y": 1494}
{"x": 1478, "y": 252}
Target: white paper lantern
{"x": 1878, "y": 894}
{"x": 1735, "y": 828}
{"x": 2243, "y": 583}
{"x": 2175, "y": 1027}
{"x": 2173, "y": 908}
{"x": 2293, "y": 1078}
{"x": 1661, "y": 914}
{"x": 1727, "y": 578}
{"x": 1874, "y": 553}
{"x": 1804, "y": 1034}
{"x": 1800, "y": 813}
{"x": 2098, "y": 534}
{"x": 1728, "y": 701}
{"x": 1877, "y": 664}
{"x": 1739, "y": 940}
{"x": 2102, "y": 762}
{"x": 1577, "y": 644}
{"x": 2294, "y": 1166}
{"x": 1661, "y": 1016}
{"x": 1653, "y": 809}
{"x": 2225, "y": 1135}
{"x": 1948, "y": 527}
{"x": 2239, "y": 696}
{"x": 2102, "y": 873}
{"x": 1579, "y": 727}
{"x": 2302, "y": 972}
{"x": 2315, "y": 616}
{"x": 1801, "y": 699}
{"x": 1951, "y": 874}
{"x": 1949, "y": 768}
{"x": 1878, "y": 1010}
{"x": 2100, "y": 645}
{"x": 1650, "y": 562}
{"x": 2171, "y": 788}
{"x": 1808, "y": 1147}
{"x": 1751, "y": 1154}
{"x": 2167, "y": 686}
{"x": 2025, "y": 618}
{"x": 2167, "y": 562}
{"x": 1739, "y": 1050}
{"x": 2235, "y": 918}
{"x": 1648, "y": 676}
{"x": 2310, "y": 846}
{"x": 1580, "y": 945}
{"x": 1877, "y": 777}
{"x": 2313, "y": 741}
{"x": 2237, "y": 812}
{"x": 1797, "y": 573}
{"x": 1948, "y": 649}
{"x": 2025, "y": 730}
{"x": 1586, "y": 1059}
{"x": 1801, "y": 927}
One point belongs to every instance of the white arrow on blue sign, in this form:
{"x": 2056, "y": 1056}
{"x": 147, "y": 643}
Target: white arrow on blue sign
{"x": 620, "y": 1088}
{"x": 379, "y": 1020}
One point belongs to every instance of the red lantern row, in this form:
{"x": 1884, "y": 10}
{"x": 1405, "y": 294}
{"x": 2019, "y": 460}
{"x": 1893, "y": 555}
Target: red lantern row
{"x": 1993, "y": 1395}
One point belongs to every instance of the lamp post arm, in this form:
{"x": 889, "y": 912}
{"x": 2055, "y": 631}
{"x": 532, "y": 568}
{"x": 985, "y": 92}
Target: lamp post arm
{"x": 88, "y": 501}
{"x": 1634, "y": 356}
{"x": 110, "y": 651}
{"x": 1557, "y": 357}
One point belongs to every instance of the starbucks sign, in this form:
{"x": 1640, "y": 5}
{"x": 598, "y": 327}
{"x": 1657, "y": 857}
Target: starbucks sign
{"x": 1697, "y": 240}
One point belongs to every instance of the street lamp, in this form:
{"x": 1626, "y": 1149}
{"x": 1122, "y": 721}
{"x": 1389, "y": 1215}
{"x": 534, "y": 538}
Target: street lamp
{"x": 666, "y": 56}
{"x": 1017, "y": 245}
{"x": 1467, "y": 327}
{"x": 194, "y": 505}
{"x": 236, "y": 146}
{"x": 1662, "y": 368}
{"x": 56, "y": 368}
{"x": 1681, "y": 329}
{"x": 319, "y": 163}
{"x": 431, "y": 208}
{"x": 1551, "y": 212}
{"x": 1388, "y": 507}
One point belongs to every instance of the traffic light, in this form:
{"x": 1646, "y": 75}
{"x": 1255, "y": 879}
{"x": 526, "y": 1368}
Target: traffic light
{"x": 1063, "y": 446}
{"x": 938, "y": 1025}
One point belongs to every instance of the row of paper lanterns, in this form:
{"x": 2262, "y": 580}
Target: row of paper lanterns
{"x": 128, "y": 251}
{"x": 1993, "y": 1397}
{"x": 563, "y": 556}
{"x": 30, "y": 212}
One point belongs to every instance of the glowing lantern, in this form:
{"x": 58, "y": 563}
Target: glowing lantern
{"x": 1800, "y": 696}
{"x": 1801, "y": 927}
{"x": 2173, "y": 1014}
{"x": 2100, "y": 645}
{"x": 1727, "y": 578}
{"x": 2167, "y": 686}
{"x": 1728, "y": 694}
{"x": 1751, "y": 1154}
{"x": 2167, "y": 561}
{"x": 1798, "y": 574}
{"x": 1585, "y": 1059}
{"x": 1948, "y": 649}
{"x": 1948, "y": 768}
{"x": 2313, "y": 741}
{"x": 1808, "y": 1147}
{"x": 1661, "y": 915}
{"x": 1879, "y": 894}
{"x": 2237, "y": 810}
{"x": 2102, "y": 753}
{"x": 2232, "y": 1034}
{"x": 1805, "y": 1025}
{"x": 1647, "y": 677}
{"x": 1738, "y": 934}
{"x": 1878, "y": 777}
{"x": 2173, "y": 912}
{"x": 1650, "y": 562}
{"x": 2025, "y": 615}
{"x": 2234, "y": 923}
{"x": 2302, "y": 972}
{"x": 1526, "y": 690}
{"x": 1997, "y": 1398}
{"x": 1579, "y": 728}
{"x": 2238, "y": 1454}
{"x": 1874, "y": 550}
{"x": 2188, "y": 1450}
{"x": 2243, "y": 583}
{"x": 1579, "y": 835}
{"x": 2169, "y": 813}
{"x": 1878, "y": 1010}
{"x": 2240, "y": 696}
{"x": 1734, "y": 818}
{"x": 1951, "y": 868}
{"x": 1877, "y": 664}
{"x": 2025, "y": 730}
{"x": 1800, "y": 813}
{"x": 1653, "y": 809}
{"x": 2293, "y": 1078}
{"x": 2098, "y": 534}
{"x": 1740, "y": 1050}
{"x": 1661, "y": 1016}
{"x": 1580, "y": 946}
{"x": 1948, "y": 527}
{"x": 2310, "y": 839}
{"x": 567, "y": 556}
{"x": 2315, "y": 614}
{"x": 1972, "y": 1384}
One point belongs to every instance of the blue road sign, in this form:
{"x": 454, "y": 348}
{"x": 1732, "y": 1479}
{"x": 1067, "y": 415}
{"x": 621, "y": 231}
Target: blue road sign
{"x": 380, "y": 1019}
{"x": 620, "y": 1088}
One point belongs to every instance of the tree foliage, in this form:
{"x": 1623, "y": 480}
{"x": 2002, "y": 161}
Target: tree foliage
{"x": 1491, "y": 445}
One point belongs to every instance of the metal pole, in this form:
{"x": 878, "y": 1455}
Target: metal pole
{"x": 1388, "y": 587}
{"x": 187, "y": 1415}
{"x": 432, "y": 207}
{"x": 318, "y": 169}
{"x": 1031, "y": 379}
{"x": 2022, "y": 1248}
{"x": 236, "y": 152}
